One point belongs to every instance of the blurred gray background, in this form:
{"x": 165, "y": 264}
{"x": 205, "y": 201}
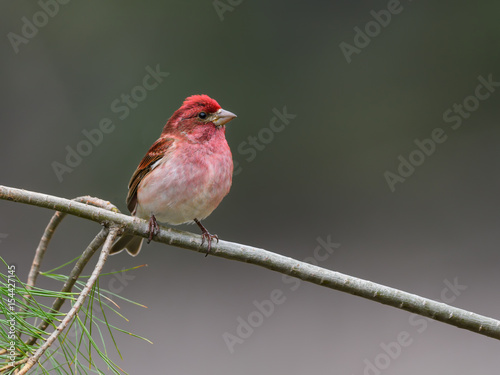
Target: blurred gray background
{"x": 320, "y": 177}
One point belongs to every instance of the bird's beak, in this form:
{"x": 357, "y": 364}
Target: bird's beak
{"x": 222, "y": 117}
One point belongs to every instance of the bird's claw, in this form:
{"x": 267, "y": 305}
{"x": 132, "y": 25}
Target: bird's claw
{"x": 209, "y": 237}
{"x": 153, "y": 228}
{"x": 206, "y": 236}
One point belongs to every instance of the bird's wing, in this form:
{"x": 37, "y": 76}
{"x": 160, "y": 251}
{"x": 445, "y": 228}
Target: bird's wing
{"x": 155, "y": 153}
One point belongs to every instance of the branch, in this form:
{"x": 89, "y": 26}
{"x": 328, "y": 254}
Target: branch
{"x": 113, "y": 233}
{"x": 285, "y": 265}
{"x": 15, "y": 364}
{"x": 49, "y": 232}
{"x": 42, "y": 247}
{"x": 75, "y": 273}
{"x": 72, "y": 278}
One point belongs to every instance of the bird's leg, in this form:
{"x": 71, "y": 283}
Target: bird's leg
{"x": 205, "y": 235}
{"x": 153, "y": 228}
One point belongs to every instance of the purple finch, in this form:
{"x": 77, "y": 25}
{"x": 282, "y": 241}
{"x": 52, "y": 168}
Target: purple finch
{"x": 185, "y": 174}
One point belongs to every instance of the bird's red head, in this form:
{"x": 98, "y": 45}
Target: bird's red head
{"x": 198, "y": 112}
{"x": 200, "y": 102}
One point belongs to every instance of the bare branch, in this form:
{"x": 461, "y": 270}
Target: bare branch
{"x": 73, "y": 277}
{"x": 285, "y": 265}
{"x": 79, "y": 302}
{"x": 49, "y": 232}
{"x": 42, "y": 247}
{"x": 44, "y": 243}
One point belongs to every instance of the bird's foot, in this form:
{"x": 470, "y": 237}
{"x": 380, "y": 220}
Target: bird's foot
{"x": 209, "y": 237}
{"x": 206, "y": 236}
{"x": 153, "y": 228}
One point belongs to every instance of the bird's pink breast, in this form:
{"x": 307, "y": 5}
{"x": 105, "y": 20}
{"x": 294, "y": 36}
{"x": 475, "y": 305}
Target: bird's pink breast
{"x": 188, "y": 183}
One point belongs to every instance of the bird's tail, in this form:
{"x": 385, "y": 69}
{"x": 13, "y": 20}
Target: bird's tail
{"x": 128, "y": 242}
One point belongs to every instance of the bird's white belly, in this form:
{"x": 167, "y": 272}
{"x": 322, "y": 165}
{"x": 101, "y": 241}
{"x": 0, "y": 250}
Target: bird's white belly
{"x": 181, "y": 189}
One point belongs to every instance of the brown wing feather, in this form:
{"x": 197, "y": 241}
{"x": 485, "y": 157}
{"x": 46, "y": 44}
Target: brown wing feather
{"x": 155, "y": 153}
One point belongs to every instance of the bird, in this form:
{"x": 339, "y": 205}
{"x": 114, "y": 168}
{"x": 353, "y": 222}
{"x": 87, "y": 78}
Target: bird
{"x": 184, "y": 175}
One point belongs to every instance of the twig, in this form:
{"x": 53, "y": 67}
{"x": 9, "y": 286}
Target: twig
{"x": 78, "y": 304}
{"x": 73, "y": 276}
{"x": 389, "y": 296}
{"x": 37, "y": 260}
{"x": 8, "y": 367}
{"x": 47, "y": 236}
{"x": 49, "y": 232}
{"x": 42, "y": 247}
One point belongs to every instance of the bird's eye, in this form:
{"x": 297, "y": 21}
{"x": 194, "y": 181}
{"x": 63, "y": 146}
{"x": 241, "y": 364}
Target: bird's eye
{"x": 202, "y": 115}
